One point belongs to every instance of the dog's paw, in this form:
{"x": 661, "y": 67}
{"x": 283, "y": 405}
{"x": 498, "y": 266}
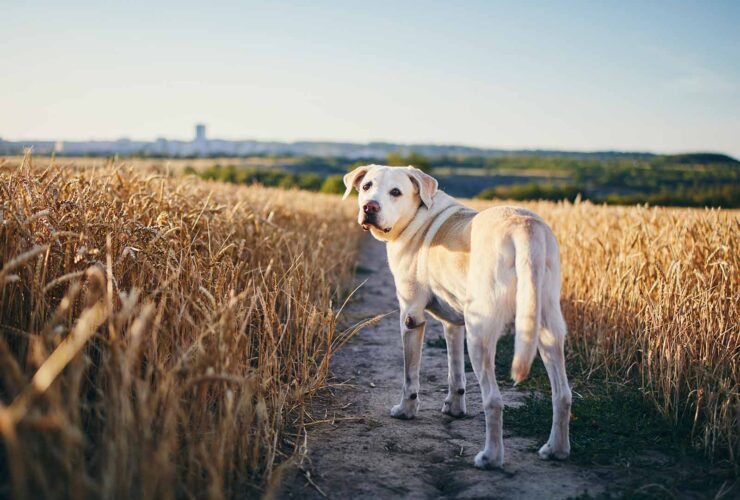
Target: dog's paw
{"x": 486, "y": 460}
{"x": 548, "y": 452}
{"x": 406, "y": 410}
{"x": 454, "y": 407}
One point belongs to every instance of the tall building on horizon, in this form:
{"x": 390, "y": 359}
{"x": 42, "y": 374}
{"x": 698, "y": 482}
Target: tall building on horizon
{"x": 200, "y": 142}
{"x": 200, "y": 132}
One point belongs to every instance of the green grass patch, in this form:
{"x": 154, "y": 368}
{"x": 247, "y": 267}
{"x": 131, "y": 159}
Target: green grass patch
{"x": 616, "y": 427}
{"x": 610, "y": 429}
{"x": 612, "y": 426}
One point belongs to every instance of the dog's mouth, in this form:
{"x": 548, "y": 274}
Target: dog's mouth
{"x": 367, "y": 224}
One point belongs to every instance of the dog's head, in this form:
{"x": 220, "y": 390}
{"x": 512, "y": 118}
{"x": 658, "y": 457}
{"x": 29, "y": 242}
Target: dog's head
{"x": 389, "y": 197}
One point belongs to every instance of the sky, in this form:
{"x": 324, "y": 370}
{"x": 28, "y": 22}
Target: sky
{"x": 574, "y": 75}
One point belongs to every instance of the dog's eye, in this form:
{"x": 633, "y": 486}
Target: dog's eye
{"x": 366, "y": 186}
{"x": 395, "y": 192}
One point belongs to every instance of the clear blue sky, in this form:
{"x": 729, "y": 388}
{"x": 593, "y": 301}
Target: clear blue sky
{"x": 585, "y": 75}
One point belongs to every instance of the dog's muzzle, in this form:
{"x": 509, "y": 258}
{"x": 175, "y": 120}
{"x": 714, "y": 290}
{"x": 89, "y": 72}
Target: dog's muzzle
{"x": 369, "y": 220}
{"x": 367, "y": 224}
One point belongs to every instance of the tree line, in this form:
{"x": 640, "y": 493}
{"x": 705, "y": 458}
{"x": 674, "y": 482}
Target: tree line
{"x": 701, "y": 179}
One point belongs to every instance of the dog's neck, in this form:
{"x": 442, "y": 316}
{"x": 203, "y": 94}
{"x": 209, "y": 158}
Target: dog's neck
{"x": 423, "y": 225}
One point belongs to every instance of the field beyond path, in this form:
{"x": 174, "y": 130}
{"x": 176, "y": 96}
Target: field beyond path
{"x": 368, "y": 454}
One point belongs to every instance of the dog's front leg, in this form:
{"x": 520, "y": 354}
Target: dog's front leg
{"x": 412, "y": 333}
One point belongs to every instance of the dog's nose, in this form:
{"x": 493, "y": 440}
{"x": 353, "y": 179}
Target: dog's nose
{"x": 371, "y": 207}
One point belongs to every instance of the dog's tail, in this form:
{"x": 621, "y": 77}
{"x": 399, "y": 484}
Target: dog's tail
{"x": 529, "y": 248}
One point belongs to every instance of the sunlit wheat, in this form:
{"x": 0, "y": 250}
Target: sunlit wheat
{"x": 204, "y": 315}
{"x": 159, "y": 335}
{"x": 652, "y": 298}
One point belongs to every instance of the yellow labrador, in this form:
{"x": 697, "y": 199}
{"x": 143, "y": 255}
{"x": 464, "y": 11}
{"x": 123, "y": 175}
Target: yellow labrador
{"x": 475, "y": 272}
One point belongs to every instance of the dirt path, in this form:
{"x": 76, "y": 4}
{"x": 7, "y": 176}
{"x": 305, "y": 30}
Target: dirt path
{"x": 368, "y": 454}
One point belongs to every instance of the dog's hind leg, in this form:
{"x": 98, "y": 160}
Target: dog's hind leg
{"x": 454, "y": 404}
{"x": 483, "y": 331}
{"x": 552, "y": 339}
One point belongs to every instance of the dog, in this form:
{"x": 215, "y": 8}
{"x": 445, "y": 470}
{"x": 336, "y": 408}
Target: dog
{"x": 475, "y": 272}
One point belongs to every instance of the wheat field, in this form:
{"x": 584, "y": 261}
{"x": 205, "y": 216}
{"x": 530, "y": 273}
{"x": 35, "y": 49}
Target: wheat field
{"x": 160, "y": 335}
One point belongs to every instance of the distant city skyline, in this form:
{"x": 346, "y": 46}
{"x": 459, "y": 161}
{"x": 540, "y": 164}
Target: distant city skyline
{"x": 202, "y": 145}
{"x": 659, "y": 76}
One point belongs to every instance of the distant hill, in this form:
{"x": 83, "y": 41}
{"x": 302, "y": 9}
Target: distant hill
{"x": 700, "y": 158}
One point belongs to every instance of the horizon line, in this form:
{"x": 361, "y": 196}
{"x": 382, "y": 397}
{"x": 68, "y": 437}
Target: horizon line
{"x": 389, "y": 142}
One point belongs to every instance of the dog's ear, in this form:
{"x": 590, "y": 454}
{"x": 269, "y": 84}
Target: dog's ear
{"x": 425, "y": 183}
{"x": 353, "y": 179}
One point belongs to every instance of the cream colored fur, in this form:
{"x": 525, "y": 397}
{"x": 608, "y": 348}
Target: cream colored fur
{"x": 476, "y": 273}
